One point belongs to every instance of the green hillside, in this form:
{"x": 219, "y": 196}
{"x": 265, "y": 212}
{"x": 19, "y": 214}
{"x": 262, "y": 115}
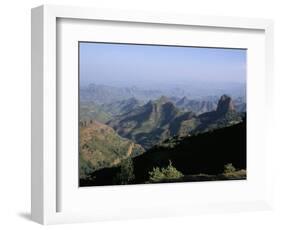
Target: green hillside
{"x": 92, "y": 111}
{"x": 101, "y": 146}
{"x": 121, "y": 107}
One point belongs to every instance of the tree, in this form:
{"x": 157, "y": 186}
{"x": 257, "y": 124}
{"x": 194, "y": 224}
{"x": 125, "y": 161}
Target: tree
{"x": 85, "y": 170}
{"x": 126, "y": 174}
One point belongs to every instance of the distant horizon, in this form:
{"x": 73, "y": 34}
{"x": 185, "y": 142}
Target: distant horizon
{"x": 129, "y": 65}
{"x": 141, "y": 85}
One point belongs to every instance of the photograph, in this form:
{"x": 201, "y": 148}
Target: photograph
{"x": 152, "y": 113}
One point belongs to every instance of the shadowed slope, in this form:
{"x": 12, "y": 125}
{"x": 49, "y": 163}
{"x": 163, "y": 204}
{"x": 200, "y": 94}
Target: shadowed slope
{"x": 205, "y": 153}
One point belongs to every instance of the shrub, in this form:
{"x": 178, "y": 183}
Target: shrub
{"x": 229, "y": 168}
{"x": 164, "y": 174}
{"x": 230, "y": 172}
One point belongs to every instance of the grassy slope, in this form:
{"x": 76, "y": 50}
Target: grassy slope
{"x": 101, "y": 146}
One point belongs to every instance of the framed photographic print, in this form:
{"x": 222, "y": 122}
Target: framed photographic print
{"x": 140, "y": 114}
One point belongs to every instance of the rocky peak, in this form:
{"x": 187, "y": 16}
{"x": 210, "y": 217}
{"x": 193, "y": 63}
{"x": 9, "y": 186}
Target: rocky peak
{"x": 162, "y": 100}
{"x": 225, "y": 105}
{"x": 182, "y": 101}
{"x": 132, "y": 100}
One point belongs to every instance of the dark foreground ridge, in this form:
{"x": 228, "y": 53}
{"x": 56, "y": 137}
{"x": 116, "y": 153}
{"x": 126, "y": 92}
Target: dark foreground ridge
{"x": 205, "y": 153}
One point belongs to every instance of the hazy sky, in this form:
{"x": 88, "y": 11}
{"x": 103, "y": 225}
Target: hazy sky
{"x": 124, "y": 64}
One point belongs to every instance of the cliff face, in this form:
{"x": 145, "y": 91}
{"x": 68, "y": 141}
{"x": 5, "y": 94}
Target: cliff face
{"x": 225, "y": 105}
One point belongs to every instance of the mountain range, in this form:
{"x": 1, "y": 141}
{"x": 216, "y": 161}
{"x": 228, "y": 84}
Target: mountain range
{"x": 90, "y": 110}
{"x": 158, "y": 120}
{"x": 104, "y": 94}
{"x": 196, "y": 106}
{"x": 103, "y": 103}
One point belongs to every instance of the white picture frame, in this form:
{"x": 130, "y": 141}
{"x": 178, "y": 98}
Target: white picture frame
{"x": 46, "y": 182}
